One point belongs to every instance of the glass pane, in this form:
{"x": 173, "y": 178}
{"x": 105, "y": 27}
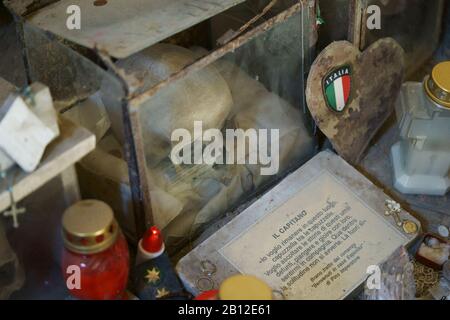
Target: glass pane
{"x": 70, "y": 76}
{"x": 415, "y": 24}
{"x": 218, "y": 136}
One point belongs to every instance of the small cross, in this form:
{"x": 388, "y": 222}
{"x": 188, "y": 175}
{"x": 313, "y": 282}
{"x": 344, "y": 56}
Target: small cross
{"x": 14, "y": 212}
{"x": 394, "y": 209}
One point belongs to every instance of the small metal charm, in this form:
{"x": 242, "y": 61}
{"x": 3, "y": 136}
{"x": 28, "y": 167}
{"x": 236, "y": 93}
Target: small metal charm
{"x": 208, "y": 268}
{"x": 206, "y": 283}
{"x": 410, "y": 227}
{"x": 394, "y": 209}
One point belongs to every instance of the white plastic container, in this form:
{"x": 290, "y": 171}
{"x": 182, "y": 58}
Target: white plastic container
{"x": 421, "y": 159}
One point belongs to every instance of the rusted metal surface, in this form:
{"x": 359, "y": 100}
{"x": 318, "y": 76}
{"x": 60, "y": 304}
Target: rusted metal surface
{"x": 24, "y": 7}
{"x": 122, "y": 28}
{"x": 133, "y": 154}
{"x": 137, "y": 172}
{"x": 137, "y": 100}
{"x": 230, "y": 36}
{"x": 355, "y": 29}
{"x": 146, "y": 218}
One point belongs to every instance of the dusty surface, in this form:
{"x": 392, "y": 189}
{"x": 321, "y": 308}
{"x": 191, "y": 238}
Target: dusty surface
{"x": 11, "y": 63}
{"x": 376, "y": 79}
{"x": 432, "y": 211}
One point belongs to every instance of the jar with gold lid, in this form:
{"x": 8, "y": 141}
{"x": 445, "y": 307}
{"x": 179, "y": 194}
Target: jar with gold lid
{"x": 95, "y": 262}
{"x": 244, "y": 287}
{"x": 421, "y": 159}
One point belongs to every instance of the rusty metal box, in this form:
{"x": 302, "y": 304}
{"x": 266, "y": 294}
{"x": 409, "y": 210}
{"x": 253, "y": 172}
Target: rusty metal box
{"x": 243, "y": 65}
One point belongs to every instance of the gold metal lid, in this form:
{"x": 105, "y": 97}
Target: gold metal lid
{"x": 244, "y": 287}
{"x": 410, "y": 227}
{"x": 89, "y": 227}
{"x": 437, "y": 85}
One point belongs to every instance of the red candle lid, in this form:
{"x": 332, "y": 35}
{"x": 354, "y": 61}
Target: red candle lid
{"x": 152, "y": 242}
{"x": 208, "y": 295}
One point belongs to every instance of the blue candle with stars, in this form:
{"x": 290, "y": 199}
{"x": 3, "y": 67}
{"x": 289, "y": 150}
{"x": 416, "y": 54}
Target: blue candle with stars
{"x": 154, "y": 277}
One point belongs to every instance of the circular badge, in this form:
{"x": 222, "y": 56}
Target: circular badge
{"x": 410, "y": 227}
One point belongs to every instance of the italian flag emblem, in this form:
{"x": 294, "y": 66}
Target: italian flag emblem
{"x": 337, "y": 88}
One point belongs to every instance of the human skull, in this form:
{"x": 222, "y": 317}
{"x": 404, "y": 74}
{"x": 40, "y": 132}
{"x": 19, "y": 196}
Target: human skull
{"x": 200, "y": 96}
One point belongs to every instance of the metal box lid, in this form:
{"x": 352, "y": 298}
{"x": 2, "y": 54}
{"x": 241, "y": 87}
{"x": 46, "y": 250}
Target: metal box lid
{"x": 122, "y": 28}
